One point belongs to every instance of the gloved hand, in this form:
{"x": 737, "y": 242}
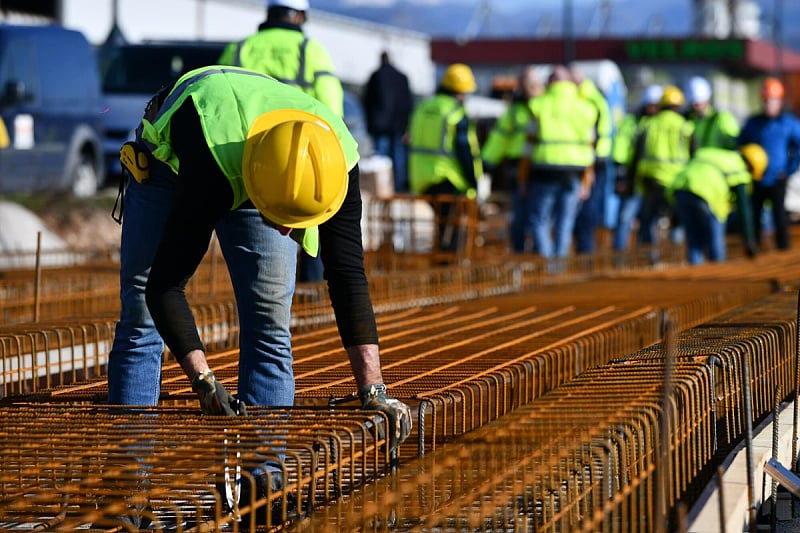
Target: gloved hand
{"x": 751, "y": 249}
{"x": 374, "y": 398}
{"x": 214, "y": 399}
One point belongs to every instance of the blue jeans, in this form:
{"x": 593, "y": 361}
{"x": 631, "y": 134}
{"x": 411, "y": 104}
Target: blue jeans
{"x": 590, "y": 212}
{"x": 519, "y": 221}
{"x": 628, "y": 211}
{"x": 704, "y": 232}
{"x": 552, "y": 207}
{"x": 393, "y": 147}
{"x": 261, "y": 263}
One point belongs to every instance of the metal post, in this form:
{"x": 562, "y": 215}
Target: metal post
{"x": 568, "y": 33}
{"x": 38, "y": 283}
{"x": 748, "y": 415}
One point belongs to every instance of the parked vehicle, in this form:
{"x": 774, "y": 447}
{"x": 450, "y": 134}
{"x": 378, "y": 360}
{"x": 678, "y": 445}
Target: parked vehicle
{"x": 132, "y": 73}
{"x": 51, "y": 120}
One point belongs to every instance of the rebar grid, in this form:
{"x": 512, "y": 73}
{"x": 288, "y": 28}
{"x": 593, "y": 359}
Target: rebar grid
{"x": 586, "y": 456}
{"x": 70, "y": 467}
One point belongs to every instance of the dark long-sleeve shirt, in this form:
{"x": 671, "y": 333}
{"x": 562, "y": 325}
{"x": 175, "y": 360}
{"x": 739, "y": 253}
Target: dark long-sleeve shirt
{"x": 202, "y": 198}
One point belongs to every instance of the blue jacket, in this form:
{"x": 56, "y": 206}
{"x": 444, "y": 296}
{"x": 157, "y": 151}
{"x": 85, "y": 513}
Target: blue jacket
{"x": 780, "y": 138}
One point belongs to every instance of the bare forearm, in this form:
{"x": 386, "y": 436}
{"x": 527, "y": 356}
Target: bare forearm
{"x": 366, "y": 364}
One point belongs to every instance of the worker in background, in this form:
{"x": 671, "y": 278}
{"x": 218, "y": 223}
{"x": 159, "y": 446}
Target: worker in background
{"x": 503, "y": 148}
{"x": 702, "y": 193}
{"x": 229, "y": 173}
{"x": 557, "y": 161}
{"x": 778, "y": 132}
{"x": 622, "y": 154}
{"x": 662, "y": 149}
{"x": 280, "y": 49}
{"x": 712, "y": 127}
{"x": 387, "y": 105}
{"x": 444, "y": 155}
{"x": 591, "y": 208}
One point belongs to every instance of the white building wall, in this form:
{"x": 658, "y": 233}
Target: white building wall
{"x": 355, "y": 45}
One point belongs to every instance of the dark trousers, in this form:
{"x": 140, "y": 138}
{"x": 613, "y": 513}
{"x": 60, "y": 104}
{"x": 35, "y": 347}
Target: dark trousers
{"x": 776, "y": 195}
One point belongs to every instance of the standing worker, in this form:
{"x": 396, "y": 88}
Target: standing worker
{"x": 625, "y": 173}
{"x": 284, "y": 163}
{"x": 555, "y": 168}
{"x": 387, "y": 106}
{"x": 591, "y": 207}
{"x": 712, "y": 127}
{"x": 444, "y": 156}
{"x": 778, "y": 132}
{"x": 662, "y": 149}
{"x": 280, "y": 49}
{"x": 702, "y": 194}
{"x": 503, "y": 148}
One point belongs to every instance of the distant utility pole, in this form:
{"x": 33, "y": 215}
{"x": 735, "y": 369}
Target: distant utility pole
{"x": 568, "y": 33}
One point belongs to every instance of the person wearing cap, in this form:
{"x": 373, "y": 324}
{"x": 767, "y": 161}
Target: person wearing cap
{"x": 503, "y": 148}
{"x": 280, "y": 49}
{"x": 778, "y": 132}
{"x": 702, "y": 193}
{"x": 625, "y": 174}
{"x": 663, "y": 147}
{"x": 444, "y": 155}
{"x": 281, "y": 171}
{"x": 555, "y": 167}
{"x": 712, "y": 127}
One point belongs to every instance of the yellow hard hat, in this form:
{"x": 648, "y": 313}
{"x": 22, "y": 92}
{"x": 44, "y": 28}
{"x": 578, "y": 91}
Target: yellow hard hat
{"x": 672, "y": 96}
{"x": 459, "y": 78}
{"x": 756, "y": 157}
{"x": 294, "y": 168}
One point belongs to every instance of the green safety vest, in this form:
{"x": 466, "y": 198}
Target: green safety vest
{"x": 431, "y": 158}
{"x": 711, "y": 174}
{"x": 292, "y": 58}
{"x": 604, "y": 125}
{"x": 507, "y": 138}
{"x": 717, "y": 128}
{"x": 667, "y": 146}
{"x": 625, "y": 138}
{"x": 215, "y": 92}
{"x": 563, "y": 128}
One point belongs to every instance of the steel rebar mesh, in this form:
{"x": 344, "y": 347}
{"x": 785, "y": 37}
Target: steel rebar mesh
{"x": 64, "y": 467}
{"x": 586, "y": 456}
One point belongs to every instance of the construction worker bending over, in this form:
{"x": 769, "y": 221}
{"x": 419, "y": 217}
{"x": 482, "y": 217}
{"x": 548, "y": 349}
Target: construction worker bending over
{"x": 444, "y": 156}
{"x": 702, "y": 195}
{"x": 555, "y": 169}
{"x": 503, "y": 148}
{"x": 283, "y": 164}
{"x": 662, "y": 149}
{"x": 280, "y": 49}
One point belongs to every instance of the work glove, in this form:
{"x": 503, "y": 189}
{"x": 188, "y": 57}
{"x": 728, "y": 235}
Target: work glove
{"x": 374, "y": 398}
{"x": 214, "y": 399}
{"x": 751, "y": 249}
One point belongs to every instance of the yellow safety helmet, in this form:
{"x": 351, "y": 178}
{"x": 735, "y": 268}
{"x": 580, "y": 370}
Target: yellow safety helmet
{"x": 672, "y": 96}
{"x": 459, "y": 78}
{"x": 756, "y": 158}
{"x": 294, "y": 168}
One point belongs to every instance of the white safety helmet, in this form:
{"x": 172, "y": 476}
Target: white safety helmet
{"x": 297, "y": 5}
{"x": 698, "y": 90}
{"x": 652, "y": 95}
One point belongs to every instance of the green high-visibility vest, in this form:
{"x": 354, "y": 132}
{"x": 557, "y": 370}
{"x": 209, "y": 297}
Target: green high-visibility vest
{"x": 563, "y": 128}
{"x": 711, "y": 174}
{"x": 667, "y": 146}
{"x": 216, "y": 92}
{"x": 432, "y": 158}
{"x": 717, "y": 128}
{"x": 507, "y": 138}
{"x": 292, "y": 58}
